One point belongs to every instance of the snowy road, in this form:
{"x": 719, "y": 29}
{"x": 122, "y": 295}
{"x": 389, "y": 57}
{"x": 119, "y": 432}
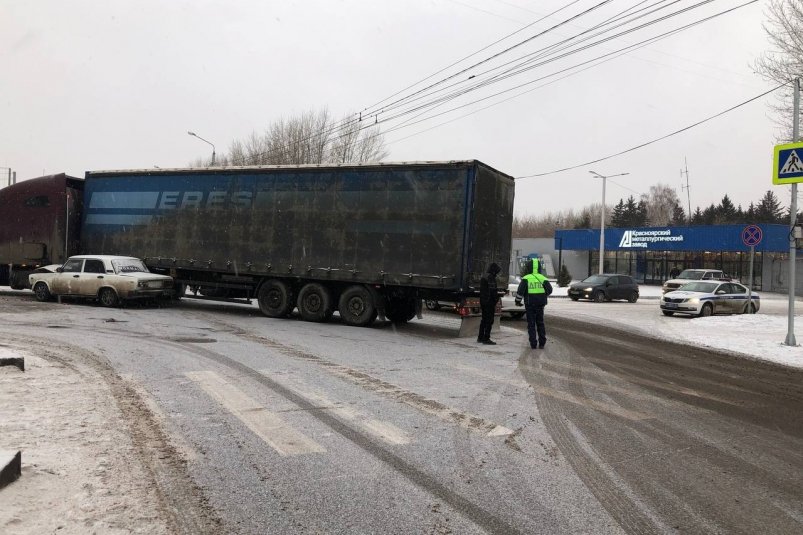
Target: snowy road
{"x": 289, "y": 427}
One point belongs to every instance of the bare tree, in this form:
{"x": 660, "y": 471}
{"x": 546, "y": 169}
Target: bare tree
{"x": 784, "y": 62}
{"x": 660, "y": 203}
{"x": 312, "y": 137}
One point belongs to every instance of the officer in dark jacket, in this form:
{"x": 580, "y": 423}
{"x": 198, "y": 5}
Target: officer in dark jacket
{"x": 488, "y": 298}
{"x": 534, "y": 289}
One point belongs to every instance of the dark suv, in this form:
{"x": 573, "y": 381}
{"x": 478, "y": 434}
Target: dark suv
{"x": 605, "y": 287}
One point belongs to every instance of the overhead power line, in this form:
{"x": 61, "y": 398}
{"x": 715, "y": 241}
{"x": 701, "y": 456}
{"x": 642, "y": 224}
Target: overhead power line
{"x": 642, "y": 145}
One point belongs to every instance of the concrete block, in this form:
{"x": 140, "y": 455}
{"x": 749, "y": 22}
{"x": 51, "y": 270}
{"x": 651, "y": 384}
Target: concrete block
{"x": 10, "y": 467}
{"x": 19, "y": 362}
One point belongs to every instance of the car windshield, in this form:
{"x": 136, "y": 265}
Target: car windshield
{"x": 705, "y": 287}
{"x": 691, "y": 274}
{"x": 595, "y": 279}
{"x": 129, "y": 265}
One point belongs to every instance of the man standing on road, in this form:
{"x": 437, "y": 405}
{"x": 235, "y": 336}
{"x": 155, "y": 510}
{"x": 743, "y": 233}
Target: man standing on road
{"x": 488, "y": 298}
{"x": 534, "y": 289}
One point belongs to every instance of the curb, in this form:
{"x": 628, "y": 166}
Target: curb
{"x": 10, "y": 467}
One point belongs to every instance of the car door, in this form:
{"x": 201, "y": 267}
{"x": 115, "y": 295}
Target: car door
{"x": 91, "y": 278}
{"x": 738, "y": 298}
{"x": 722, "y": 299}
{"x": 612, "y": 288}
{"x": 70, "y": 273}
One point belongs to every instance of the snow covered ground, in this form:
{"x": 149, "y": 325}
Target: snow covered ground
{"x": 759, "y": 336}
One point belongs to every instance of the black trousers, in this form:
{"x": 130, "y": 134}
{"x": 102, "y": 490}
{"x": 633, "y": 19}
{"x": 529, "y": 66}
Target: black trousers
{"x": 486, "y": 323}
{"x": 536, "y": 329}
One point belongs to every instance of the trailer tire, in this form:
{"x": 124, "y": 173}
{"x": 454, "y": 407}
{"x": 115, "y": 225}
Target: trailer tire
{"x": 275, "y": 299}
{"x": 315, "y": 302}
{"x": 42, "y": 292}
{"x": 357, "y": 307}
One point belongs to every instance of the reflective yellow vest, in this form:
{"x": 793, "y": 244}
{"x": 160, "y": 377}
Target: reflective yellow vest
{"x": 535, "y": 281}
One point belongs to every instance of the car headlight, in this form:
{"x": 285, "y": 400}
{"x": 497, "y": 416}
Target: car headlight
{"x": 587, "y": 289}
{"x": 693, "y": 300}
{"x": 140, "y": 284}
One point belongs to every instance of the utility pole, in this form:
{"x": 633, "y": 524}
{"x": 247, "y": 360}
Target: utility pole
{"x": 602, "y": 219}
{"x": 688, "y": 196}
{"x": 790, "y": 333}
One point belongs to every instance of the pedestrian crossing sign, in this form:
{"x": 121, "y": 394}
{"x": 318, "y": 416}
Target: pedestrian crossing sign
{"x": 788, "y": 164}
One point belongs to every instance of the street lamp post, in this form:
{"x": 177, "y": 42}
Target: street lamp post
{"x": 602, "y": 217}
{"x": 205, "y": 141}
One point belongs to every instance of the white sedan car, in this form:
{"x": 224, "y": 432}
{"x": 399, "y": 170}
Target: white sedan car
{"x": 109, "y": 279}
{"x": 705, "y": 298}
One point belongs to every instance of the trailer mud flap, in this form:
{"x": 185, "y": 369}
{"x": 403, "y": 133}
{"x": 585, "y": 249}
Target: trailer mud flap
{"x": 470, "y": 325}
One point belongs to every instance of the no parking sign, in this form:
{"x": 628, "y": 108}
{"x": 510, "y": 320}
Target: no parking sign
{"x": 751, "y": 235}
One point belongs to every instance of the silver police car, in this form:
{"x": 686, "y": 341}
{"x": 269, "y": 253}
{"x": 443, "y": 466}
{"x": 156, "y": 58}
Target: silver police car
{"x": 705, "y": 298}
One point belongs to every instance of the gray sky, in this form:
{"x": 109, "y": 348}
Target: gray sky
{"x": 102, "y": 84}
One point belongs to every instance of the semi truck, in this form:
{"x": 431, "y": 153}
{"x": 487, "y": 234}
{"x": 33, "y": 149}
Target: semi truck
{"x": 364, "y": 240}
{"x": 40, "y": 224}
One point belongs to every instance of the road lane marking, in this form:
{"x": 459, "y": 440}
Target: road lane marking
{"x": 266, "y": 425}
{"x": 383, "y": 430}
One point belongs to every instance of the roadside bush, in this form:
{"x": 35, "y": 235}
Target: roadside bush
{"x": 564, "y": 277}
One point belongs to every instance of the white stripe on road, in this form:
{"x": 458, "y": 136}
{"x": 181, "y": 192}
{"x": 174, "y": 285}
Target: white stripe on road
{"x": 384, "y": 431}
{"x": 257, "y": 418}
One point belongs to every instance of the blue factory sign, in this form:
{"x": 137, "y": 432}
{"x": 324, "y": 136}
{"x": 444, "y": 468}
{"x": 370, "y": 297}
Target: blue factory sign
{"x": 701, "y": 238}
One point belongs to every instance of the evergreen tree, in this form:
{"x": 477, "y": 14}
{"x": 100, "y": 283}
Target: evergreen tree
{"x": 678, "y": 216}
{"x": 769, "y": 209}
{"x": 564, "y": 277}
{"x": 726, "y": 211}
{"x": 710, "y": 215}
{"x": 641, "y": 214}
{"x": 630, "y": 215}
{"x": 750, "y": 214}
{"x": 618, "y": 214}
{"x": 697, "y": 218}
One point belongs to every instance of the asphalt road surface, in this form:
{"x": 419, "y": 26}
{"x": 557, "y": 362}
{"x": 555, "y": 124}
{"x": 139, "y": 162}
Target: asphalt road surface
{"x": 292, "y": 427}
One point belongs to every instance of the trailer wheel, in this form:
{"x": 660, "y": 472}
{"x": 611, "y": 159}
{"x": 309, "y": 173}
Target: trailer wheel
{"x": 315, "y": 302}
{"x": 275, "y": 299}
{"x": 41, "y": 292}
{"x": 357, "y": 306}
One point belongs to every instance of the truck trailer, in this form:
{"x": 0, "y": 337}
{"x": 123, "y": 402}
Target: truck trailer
{"x": 361, "y": 239}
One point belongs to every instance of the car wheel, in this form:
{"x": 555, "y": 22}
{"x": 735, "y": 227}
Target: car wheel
{"x": 357, "y": 306}
{"x": 632, "y": 298}
{"x": 751, "y": 310}
{"x": 707, "y": 310}
{"x": 108, "y": 297}
{"x": 41, "y": 292}
{"x": 575, "y": 298}
{"x": 668, "y": 313}
{"x": 516, "y": 315}
{"x": 599, "y": 297}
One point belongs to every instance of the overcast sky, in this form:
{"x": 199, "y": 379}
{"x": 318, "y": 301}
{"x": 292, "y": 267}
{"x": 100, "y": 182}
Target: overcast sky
{"x": 104, "y": 84}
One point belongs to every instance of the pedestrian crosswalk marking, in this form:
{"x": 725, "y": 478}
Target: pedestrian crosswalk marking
{"x": 269, "y": 427}
{"x": 384, "y": 431}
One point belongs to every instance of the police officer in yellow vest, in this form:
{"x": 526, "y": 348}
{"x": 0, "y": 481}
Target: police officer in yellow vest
{"x": 534, "y": 289}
